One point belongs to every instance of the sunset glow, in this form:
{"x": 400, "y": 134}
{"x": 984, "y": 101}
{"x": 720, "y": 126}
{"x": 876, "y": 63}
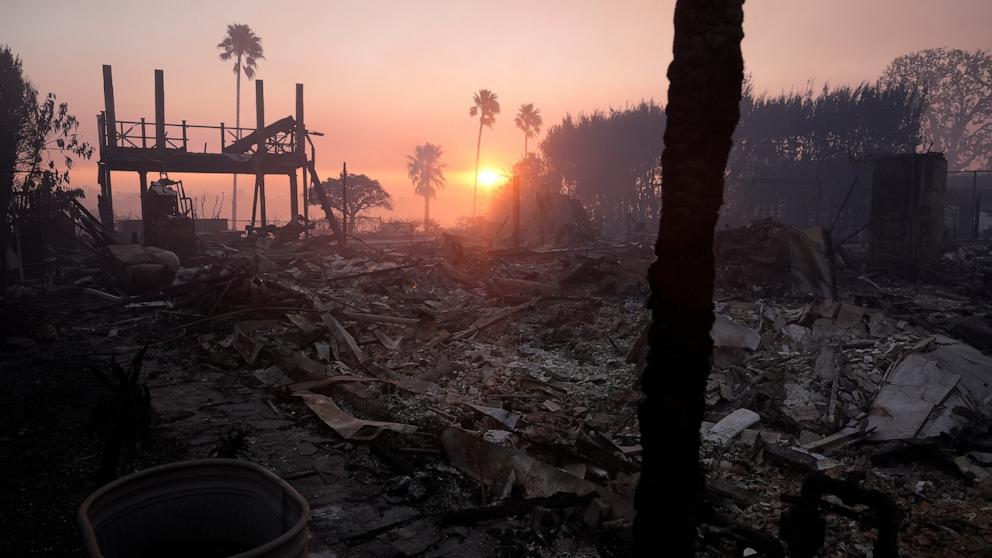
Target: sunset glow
{"x": 377, "y": 97}
{"x": 490, "y": 178}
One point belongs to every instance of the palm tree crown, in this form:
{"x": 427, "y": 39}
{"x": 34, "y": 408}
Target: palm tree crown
{"x": 529, "y": 121}
{"x": 485, "y": 106}
{"x": 425, "y": 169}
{"x": 244, "y": 46}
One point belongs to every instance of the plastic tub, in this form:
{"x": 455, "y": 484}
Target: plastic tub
{"x": 196, "y": 509}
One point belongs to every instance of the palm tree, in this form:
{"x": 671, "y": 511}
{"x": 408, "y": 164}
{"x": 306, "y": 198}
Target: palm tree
{"x": 245, "y": 47}
{"x": 704, "y": 93}
{"x": 529, "y": 121}
{"x": 486, "y": 107}
{"x": 425, "y": 170}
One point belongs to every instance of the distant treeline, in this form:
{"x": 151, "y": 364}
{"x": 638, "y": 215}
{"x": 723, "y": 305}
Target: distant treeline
{"x": 610, "y": 160}
{"x": 797, "y": 155}
{"x": 802, "y": 156}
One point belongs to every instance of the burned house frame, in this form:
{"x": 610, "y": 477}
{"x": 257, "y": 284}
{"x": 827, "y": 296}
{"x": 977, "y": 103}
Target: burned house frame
{"x": 274, "y": 148}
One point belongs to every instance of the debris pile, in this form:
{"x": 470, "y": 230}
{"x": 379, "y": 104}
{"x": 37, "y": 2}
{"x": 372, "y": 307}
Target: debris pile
{"x": 443, "y": 398}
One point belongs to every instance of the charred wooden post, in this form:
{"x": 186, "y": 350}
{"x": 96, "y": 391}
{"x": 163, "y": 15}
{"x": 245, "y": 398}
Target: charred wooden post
{"x": 704, "y": 94}
{"x": 294, "y": 201}
{"x": 101, "y": 127}
{"x": 344, "y": 202}
{"x": 160, "y": 110}
{"x": 260, "y": 151}
{"x": 104, "y": 210}
{"x": 325, "y": 202}
{"x": 106, "y": 201}
{"x": 254, "y": 206}
{"x": 108, "y": 104}
{"x": 101, "y": 130}
{"x": 301, "y": 151}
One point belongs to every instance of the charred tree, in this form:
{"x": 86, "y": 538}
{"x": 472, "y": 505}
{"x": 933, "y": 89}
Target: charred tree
{"x": 704, "y": 93}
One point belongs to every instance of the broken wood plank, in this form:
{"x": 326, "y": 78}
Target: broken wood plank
{"x": 301, "y": 321}
{"x": 379, "y": 319}
{"x": 801, "y": 458}
{"x": 342, "y": 336}
{"x": 245, "y": 143}
{"x": 104, "y": 295}
{"x": 325, "y": 202}
{"x": 387, "y": 342}
{"x": 843, "y": 438}
{"x": 349, "y": 427}
{"x": 487, "y": 321}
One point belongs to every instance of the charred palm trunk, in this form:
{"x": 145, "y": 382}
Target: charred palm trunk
{"x": 704, "y": 93}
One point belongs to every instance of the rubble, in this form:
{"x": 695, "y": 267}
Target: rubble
{"x": 732, "y": 425}
{"x": 410, "y": 389}
{"x": 921, "y": 395}
{"x": 349, "y": 427}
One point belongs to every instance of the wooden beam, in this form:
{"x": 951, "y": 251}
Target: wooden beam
{"x": 108, "y": 104}
{"x": 101, "y": 130}
{"x": 244, "y": 144}
{"x": 375, "y": 318}
{"x": 301, "y": 149}
{"x": 91, "y": 224}
{"x": 294, "y": 200}
{"x": 325, "y": 202}
{"x": 177, "y": 160}
{"x": 106, "y": 202}
{"x": 344, "y": 203}
{"x": 160, "y": 109}
{"x": 260, "y": 148}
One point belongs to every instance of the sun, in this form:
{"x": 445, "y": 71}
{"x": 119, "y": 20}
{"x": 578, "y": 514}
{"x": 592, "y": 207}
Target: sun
{"x": 490, "y": 178}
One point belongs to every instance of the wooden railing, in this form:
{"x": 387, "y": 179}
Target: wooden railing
{"x": 141, "y": 134}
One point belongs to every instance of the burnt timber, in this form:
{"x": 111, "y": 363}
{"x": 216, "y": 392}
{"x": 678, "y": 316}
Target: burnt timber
{"x": 159, "y": 146}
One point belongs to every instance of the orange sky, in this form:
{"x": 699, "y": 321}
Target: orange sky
{"x": 383, "y": 76}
